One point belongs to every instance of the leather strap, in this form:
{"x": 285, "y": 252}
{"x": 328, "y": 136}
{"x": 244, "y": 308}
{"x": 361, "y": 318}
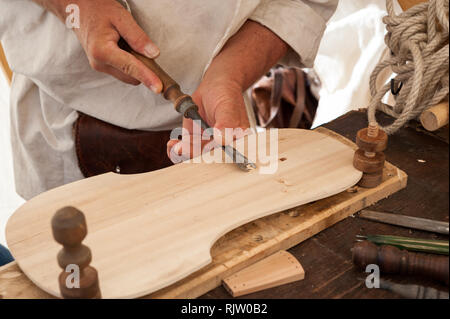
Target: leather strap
{"x": 283, "y": 99}
{"x": 275, "y": 98}
{"x": 299, "y": 106}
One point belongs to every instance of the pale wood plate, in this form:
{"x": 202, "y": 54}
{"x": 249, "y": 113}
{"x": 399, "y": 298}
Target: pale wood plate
{"x": 150, "y": 230}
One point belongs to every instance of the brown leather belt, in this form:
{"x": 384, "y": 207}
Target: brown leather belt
{"x": 102, "y": 147}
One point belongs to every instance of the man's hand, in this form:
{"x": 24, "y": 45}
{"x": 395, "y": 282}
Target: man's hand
{"x": 102, "y": 23}
{"x": 220, "y": 102}
{"x": 248, "y": 55}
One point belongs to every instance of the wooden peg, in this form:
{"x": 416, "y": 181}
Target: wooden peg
{"x": 369, "y": 158}
{"x": 392, "y": 260}
{"x": 435, "y": 117}
{"x": 69, "y": 229}
{"x": 277, "y": 269}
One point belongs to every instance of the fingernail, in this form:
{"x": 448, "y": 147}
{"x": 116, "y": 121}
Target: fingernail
{"x": 154, "y": 89}
{"x": 177, "y": 148}
{"x": 151, "y": 51}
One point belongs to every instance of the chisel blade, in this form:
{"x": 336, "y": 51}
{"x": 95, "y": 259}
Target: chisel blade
{"x": 406, "y": 221}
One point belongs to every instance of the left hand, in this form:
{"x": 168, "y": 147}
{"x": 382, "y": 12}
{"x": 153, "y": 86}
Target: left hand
{"x": 221, "y": 105}
{"x": 246, "y": 56}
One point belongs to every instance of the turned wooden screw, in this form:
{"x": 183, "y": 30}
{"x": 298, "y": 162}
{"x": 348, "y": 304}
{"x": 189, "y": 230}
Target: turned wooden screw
{"x": 392, "y": 260}
{"x": 369, "y": 158}
{"x": 78, "y": 280}
{"x": 372, "y": 131}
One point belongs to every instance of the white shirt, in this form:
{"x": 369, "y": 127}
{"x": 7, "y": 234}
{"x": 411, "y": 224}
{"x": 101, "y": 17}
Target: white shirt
{"x": 53, "y": 80}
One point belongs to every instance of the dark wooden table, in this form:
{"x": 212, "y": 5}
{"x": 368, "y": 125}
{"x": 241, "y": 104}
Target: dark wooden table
{"x": 326, "y": 257}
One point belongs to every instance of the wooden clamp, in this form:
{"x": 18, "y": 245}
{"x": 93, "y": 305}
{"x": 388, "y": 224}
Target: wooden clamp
{"x": 369, "y": 158}
{"x": 81, "y": 281}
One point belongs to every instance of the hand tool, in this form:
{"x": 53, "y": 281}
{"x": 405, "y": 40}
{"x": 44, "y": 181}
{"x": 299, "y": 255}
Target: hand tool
{"x": 413, "y": 291}
{"x": 184, "y": 104}
{"x": 392, "y": 260}
{"x": 429, "y": 246}
{"x": 406, "y": 221}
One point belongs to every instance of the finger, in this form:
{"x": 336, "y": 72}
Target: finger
{"x": 182, "y": 150}
{"x": 117, "y": 74}
{"x": 197, "y": 98}
{"x": 131, "y": 66}
{"x": 228, "y": 118}
{"x": 134, "y": 35}
{"x": 192, "y": 142}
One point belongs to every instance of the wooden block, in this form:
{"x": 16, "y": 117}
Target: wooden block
{"x": 435, "y": 117}
{"x": 406, "y": 4}
{"x": 276, "y": 270}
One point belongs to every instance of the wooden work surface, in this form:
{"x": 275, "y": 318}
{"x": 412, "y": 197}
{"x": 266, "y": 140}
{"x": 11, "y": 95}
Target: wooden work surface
{"x": 148, "y": 231}
{"x": 248, "y": 243}
{"x": 326, "y": 257}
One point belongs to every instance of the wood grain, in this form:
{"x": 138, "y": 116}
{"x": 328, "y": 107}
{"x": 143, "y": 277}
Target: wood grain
{"x": 406, "y": 4}
{"x": 277, "y": 269}
{"x": 4, "y": 65}
{"x": 150, "y": 230}
{"x": 435, "y": 117}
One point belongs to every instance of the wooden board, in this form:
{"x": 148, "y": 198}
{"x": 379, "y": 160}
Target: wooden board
{"x": 259, "y": 239}
{"x": 278, "y": 269}
{"x": 150, "y": 230}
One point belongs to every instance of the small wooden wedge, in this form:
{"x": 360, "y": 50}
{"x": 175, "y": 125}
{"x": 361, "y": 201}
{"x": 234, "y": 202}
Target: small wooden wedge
{"x": 276, "y": 270}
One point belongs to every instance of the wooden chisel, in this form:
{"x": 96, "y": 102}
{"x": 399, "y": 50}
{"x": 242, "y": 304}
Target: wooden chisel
{"x": 184, "y": 104}
{"x": 406, "y": 221}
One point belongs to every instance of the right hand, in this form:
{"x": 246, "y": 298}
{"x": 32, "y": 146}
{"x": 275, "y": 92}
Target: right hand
{"x": 102, "y": 23}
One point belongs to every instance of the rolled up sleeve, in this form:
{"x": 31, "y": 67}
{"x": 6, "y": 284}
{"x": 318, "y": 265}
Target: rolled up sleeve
{"x": 300, "y": 24}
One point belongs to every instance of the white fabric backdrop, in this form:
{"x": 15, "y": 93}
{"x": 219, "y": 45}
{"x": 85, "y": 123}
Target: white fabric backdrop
{"x": 350, "y": 49}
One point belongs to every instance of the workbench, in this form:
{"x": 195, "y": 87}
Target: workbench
{"x": 326, "y": 257}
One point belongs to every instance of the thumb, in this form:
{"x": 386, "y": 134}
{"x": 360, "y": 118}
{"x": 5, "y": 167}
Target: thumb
{"x": 230, "y": 121}
{"x": 134, "y": 35}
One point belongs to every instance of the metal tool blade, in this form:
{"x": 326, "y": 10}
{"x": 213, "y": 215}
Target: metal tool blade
{"x": 238, "y": 158}
{"x": 406, "y": 221}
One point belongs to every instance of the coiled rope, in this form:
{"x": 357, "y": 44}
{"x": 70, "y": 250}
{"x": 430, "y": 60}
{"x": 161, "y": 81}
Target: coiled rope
{"x": 418, "y": 40}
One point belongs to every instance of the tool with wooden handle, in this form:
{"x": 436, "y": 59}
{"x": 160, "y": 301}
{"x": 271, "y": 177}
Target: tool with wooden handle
{"x": 184, "y": 104}
{"x": 392, "y": 260}
{"x": 413, "y": 291}
{"x": 406, "y": 221}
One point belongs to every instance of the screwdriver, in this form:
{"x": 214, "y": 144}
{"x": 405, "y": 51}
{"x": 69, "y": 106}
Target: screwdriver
{"x": 184, "y": 104}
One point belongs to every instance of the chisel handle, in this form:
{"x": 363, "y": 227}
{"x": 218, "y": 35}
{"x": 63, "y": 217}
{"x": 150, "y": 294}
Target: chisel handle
{"x": 392, "y": 260}
{"x": 184, "y": 104}
{"x": 171, "y": 89}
